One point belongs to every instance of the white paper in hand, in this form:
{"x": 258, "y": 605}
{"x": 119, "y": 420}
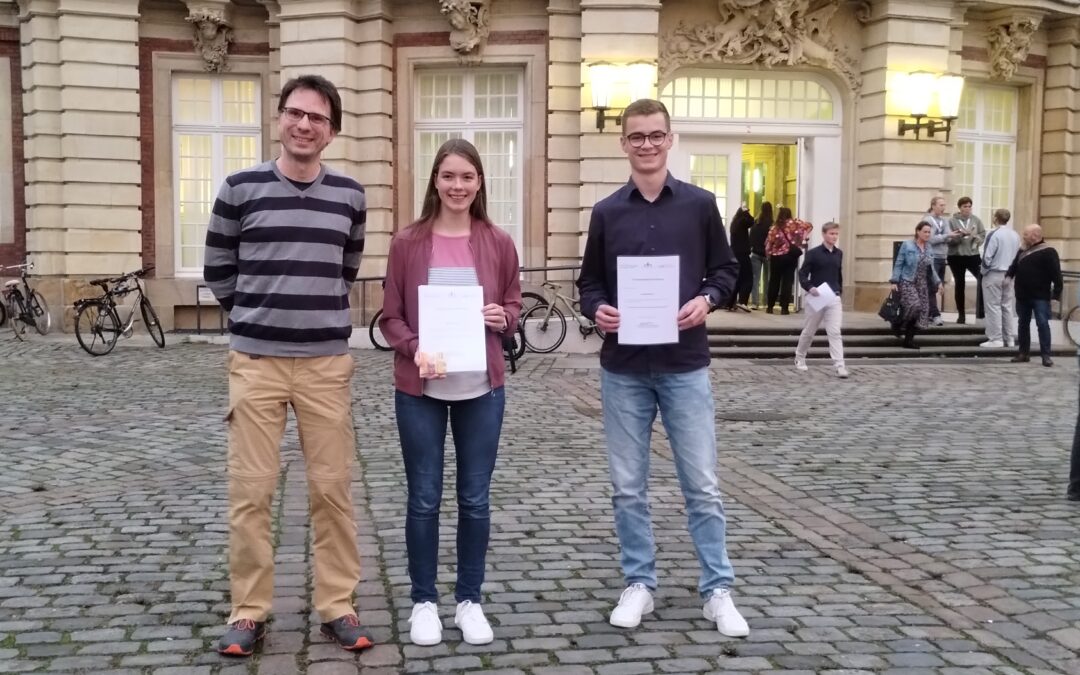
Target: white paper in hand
{"x": 648, "y": 288}
{"x": 452, "y": 324}
{"x": 823, "y": 299}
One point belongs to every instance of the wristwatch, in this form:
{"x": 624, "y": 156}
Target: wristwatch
{"x": 709, "y": 301}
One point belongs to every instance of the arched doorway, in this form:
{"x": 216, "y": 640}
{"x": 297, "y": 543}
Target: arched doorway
{"x": 753, "y": 136}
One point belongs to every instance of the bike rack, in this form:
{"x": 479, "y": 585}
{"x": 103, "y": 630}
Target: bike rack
{"x": 198, "y": 309}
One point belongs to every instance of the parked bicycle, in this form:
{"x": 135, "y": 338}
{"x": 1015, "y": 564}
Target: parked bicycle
{"x": 23, "y": 305}
{"x": 545, "y": 324}
{"x": 97, "y": 322}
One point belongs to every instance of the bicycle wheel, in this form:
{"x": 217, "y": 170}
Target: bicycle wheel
{"x": 15, "y": 315}
{"x": 153, "y": 326}
{"x": 97, "y": 328}
{"x": 1071, "y": 322}
{"x": 530, "y": 300}
{"x": 376, "y": 335}
{"x": 39, "y": 309}
{"x": 545, "y": 328}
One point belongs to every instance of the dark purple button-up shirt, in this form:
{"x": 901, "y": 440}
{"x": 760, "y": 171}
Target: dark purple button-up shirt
{"x": 683, "y": 221}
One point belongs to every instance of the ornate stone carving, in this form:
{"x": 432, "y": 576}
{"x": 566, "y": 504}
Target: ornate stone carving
{"x": 1009, "y": 45}
{"x": 766, "y": 32}
{"x": 212, "y": 37}
{"x": 469, "y": 24}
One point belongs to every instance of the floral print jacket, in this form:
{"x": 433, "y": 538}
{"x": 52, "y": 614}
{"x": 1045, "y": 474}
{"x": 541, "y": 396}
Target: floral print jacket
{"x": 781, "y": 238}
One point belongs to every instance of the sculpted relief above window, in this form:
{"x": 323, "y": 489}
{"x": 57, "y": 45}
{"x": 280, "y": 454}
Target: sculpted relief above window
{"x": 469, "y": 26}
{"x": 1009, "y": 45}
{"x": 770, "y": 33}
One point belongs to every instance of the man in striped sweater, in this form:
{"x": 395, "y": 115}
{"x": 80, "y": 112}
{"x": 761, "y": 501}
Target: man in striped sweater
{"x": 282, "y": 251}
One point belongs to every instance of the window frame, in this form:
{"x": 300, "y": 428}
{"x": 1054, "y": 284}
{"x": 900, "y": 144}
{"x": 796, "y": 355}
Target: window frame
{"x": 980, "y": 139}
{"x": 467, "y": 126}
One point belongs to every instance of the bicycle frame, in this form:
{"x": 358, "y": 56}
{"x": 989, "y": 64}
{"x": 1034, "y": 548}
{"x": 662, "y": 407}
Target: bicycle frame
{"x": 110, "y": 299}
{"x": 25, "y": 310}
{"x": 585, "y": 325}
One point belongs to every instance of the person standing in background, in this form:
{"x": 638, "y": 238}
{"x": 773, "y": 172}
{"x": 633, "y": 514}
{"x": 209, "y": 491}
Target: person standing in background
{"x": 784, "y": 246}
{"x": 940, "y": 236}
{"x": 964, "y": 255}
{"x": 759, "y": 260}
{"x": 741, "y": 225}
{"x": 1002, "y": 245}
{"x": 1037, "y": 271}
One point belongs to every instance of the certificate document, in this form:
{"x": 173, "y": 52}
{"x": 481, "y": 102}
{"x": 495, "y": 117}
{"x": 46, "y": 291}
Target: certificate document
{"x": 452, "y": 325}
{"x": 648, "y": 289}
{"x": 823, "y": 299}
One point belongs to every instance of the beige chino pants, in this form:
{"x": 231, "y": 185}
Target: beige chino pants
{"x": 260, "y": 389}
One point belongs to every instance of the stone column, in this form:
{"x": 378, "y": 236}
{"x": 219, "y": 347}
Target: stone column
{"x": 564, "y": 132}
{"x": 895, "y": 176}
{"x": 350, "y": 43}
{"x": 81, "y": 78}
{"x": 1059, "y": 189}
{"x": 611, "y": 30}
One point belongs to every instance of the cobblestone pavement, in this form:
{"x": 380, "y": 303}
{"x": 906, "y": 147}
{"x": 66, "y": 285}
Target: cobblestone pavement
{"x": 910, "y": 519}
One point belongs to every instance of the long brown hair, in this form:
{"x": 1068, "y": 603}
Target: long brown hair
{"x": 467, "y": 151}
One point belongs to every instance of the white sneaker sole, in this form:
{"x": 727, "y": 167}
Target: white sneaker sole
{"x": 425, "y": 642}
{"x": 482, "y": 641}
{"x": 631, "y": 624}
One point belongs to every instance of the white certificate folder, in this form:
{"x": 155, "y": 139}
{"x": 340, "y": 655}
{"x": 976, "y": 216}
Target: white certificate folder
{"x": 648, "y": 288}
{"x": 452, "y": 324}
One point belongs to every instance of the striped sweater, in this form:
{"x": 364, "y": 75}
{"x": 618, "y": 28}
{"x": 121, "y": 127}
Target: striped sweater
{"x": 281, "y": 260}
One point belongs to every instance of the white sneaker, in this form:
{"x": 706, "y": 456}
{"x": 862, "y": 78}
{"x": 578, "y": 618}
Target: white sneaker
{"x": 722, "y": 610}
{"x": 474, "y": 626}
{"x": 425, "y": 626}
{"x": 1010, "y": 343}
{"x": 992, "y": 344}
{"x": 800, "y": 365}
{"x": 841, "y": 372}
{"x": 634, "y": 601}
{"x": 937, "y": 321}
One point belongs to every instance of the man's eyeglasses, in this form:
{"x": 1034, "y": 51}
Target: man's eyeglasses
{"x": 655, "y": 138}
{"x": 296, "y": 114}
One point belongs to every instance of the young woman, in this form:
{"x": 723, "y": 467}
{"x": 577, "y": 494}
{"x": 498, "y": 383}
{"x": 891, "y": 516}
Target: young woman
{"x": 916, "y": 277}
{"x": 784, "y": 245}
{"x": 453, "y": 243}
{"x": 759, "y": 260}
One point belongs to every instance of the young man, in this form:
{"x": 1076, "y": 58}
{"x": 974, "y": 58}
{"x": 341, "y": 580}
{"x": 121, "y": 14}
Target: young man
{"x": 1037, "y": 271}
{"x": 940, "y": 238}
{"x": 968, "y": 235}
{"x": 656, "y": 215}
{"x": 823, "y": 266}
{"x": 282, "y": 251}
{"x": 1002, "y": 245}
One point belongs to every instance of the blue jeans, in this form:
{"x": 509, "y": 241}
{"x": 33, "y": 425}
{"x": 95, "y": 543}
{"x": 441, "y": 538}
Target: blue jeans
{"x": 759, "y": 266}
{"x": 1041, "y": 310}
{"x": 685, "y": 403}
{"x": 476, "y": 424}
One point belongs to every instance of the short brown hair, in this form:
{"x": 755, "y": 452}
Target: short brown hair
{"x": 319, "y": 85}
{"x": 1002, "y": 216}
{"x": 962, "y": 202}
{"x": 831, "y": 225}
{"x": 643, "y": 107}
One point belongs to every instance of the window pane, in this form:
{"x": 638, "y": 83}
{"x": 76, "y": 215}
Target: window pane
{"x": 194, "y": 194}
{"x": 497, "y": 96}
{"x": 440, "y": 96}
{"x": 238, "y": 102}
{"x": 193, "y": 100}
{"x": 751, "y": 98}
{"x": 240, "y": 152}
{"x": 709, "y": 172}
{"x": 502, "y": 165}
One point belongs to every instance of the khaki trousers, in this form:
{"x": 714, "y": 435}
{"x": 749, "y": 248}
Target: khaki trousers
{"x": 830, "y": 315}
{"x": 260, "y": 389}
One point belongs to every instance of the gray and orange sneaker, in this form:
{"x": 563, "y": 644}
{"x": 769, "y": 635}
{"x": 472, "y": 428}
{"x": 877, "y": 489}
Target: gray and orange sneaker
{"x": 348, "y": 633}
{"x": 241, "y": 636}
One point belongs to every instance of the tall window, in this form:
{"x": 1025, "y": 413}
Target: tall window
{"x": 216, "y": 131}
{"x": 986, "y": 148}
{"x": 484, "y": 107}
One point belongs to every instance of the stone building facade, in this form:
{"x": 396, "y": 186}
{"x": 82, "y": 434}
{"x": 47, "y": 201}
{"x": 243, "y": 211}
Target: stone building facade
{"x": 125, "y": 115}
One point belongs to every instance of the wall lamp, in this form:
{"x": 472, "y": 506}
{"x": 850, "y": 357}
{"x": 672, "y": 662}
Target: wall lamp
{"x": 918, "y": 90}
{"x": 615, "y": 86}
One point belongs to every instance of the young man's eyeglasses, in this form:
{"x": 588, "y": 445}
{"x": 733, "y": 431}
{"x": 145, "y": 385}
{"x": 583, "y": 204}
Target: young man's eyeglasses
{"x": 655, "y": 138}
{"x": 296, "y": 114}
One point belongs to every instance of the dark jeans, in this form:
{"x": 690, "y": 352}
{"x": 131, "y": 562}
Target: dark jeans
{"x": 1024, "y": 311}
{"x": 939, "y": 267}
{"x": 1074, "y": 463}
{"x": 781, "y": 280}
{"x": 476, "y": 424}
{"x": 745, "y": 281}
{"x": 958, "y": 264}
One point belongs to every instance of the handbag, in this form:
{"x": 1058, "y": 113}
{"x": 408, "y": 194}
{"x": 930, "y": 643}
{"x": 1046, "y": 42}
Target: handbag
{"x": 891, "y": 310}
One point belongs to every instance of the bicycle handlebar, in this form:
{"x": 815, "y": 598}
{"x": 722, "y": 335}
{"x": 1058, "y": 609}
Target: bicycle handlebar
{"x": 116, "y": 280}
